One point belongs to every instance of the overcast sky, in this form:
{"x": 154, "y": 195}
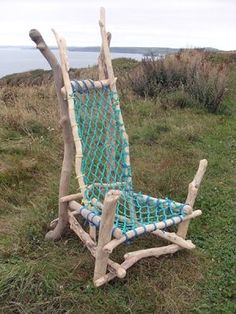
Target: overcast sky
{"x": 162, "y": 23}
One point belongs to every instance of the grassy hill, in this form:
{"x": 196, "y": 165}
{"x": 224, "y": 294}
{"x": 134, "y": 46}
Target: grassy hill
{"x": 167, "y": 141}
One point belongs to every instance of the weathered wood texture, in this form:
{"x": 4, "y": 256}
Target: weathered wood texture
{"x": 105, "y": 232}
{"x": 133, "y": 257}
{"x": 192, "y": 194}
{"x": 112, "y": 266}
{"x": 95, "y": 219}
{"x": 66, "y": 131}
{"x": 149, "y": 228}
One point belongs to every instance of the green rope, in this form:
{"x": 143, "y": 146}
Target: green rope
{"x": 104, "y": 163}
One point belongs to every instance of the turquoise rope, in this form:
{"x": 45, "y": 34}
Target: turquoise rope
{"x": 104, "y": 161}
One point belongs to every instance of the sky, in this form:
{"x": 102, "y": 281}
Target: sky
{"x": 143, "y": 23}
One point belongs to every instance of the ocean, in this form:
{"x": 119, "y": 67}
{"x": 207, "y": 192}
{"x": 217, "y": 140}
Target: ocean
{"x": 15, "y": 60}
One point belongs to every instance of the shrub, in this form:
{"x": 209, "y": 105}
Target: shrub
{"x": 178, "y": 98}
{"x": 190, "y": 72}
{"x": 207, "y": 84}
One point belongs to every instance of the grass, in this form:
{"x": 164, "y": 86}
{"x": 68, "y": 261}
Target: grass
{"x": 166, "y": 144}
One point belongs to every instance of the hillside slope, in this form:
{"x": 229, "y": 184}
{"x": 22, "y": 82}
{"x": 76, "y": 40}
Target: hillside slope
{"x": 166, "y": 145}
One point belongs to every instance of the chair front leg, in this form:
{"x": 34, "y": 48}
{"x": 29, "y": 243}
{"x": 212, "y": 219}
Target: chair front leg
{"x": 105, "y": 232}
{"x": 192, "y": 194}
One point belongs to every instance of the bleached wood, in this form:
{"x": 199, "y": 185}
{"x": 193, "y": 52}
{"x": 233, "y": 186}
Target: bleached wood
{"x": 106, "y": 50}
{"x": 102, "y": 69}
{"x": 67, "y": 84}
{"x": 134, "y": 257}
{"x": 111, "y": 77}
{"x": 113, "y": 267}
{"x": 86, "y": 213}
{"x": 84, "y": 236}
{"x": 109, "y": 123}
{"x": 157, "y": 251}
{"x": 149, "y": 228}
{"x": 186, "y": 209}
{"x": 97, "y": 84}
{"x": 192, "y": 194}
{"x": 71, "y": 197}
{"x": 174, "y": 238}
{"x": 105, "y": 232}
{"x": 66, "y": 132}
{"x": 93, "y": 232}
{"x": 54, "y": 222}
{"x": 78, "y": 145}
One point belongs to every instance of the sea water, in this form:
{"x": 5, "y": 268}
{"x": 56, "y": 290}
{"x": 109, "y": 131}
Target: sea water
{"x": 15, "y": 60}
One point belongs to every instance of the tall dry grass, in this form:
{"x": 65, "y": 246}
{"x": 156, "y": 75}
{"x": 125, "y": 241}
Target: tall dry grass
{"x": 190, "y": 72}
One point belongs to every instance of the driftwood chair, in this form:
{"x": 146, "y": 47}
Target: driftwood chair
{"x": 92, "y": 123}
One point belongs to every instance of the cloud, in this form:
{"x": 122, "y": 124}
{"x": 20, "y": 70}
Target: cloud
{"x": 169, "y": 23}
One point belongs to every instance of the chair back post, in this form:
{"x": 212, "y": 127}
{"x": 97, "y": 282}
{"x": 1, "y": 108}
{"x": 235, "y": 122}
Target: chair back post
{"x": 106, "y": 71}
{"x": 66, "y": 131}
{"x": 67, "y": 91}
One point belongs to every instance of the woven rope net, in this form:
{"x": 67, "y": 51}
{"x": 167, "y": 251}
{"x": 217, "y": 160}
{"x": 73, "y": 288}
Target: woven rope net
{"x": 105, "y": 161}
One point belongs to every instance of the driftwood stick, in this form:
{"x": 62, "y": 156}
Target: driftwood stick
{"x": 157, "y": 251}
{"x": 84, "y": 236}
{"x": 172, "y": 237}
{"x": 67, "y": 84}
{"x": 67, "y": 134}
{"x": 105, "y": 72}
{"x": 149, "y": 228}
{"x": 54, "y": 222}
{"x": 192, "y": 194}
{"x": 142, "y": 197}
{"x": 101, "y": 60}
{"x": 105, "y": 231}
{"x": 111, "y": 77}
{"x": 133, "y": 257}
{"x": 78, "y": 145}
{"x": 91, "y": 84}
{"x": 113, "y": 267}
{"x": 71, "y": 197}
{"x": 94, "y": 219}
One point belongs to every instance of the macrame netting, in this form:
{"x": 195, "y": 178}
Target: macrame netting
{"x": 105, "y": 162}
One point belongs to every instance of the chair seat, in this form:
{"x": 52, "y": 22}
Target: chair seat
{"x": 136, "y": 210}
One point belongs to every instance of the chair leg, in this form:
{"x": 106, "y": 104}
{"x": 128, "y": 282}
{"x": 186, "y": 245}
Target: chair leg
{"x": 192, "y": 194}
{"x": 105, "y": 233}
{"x": 92, "y": 232}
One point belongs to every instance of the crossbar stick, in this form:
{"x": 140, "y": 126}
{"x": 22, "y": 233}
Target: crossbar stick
{"x": 149, "y": 228}
{"x": 174, "y": 238}
{"x": 133, "y": 257}
{"x": 92, "y": 217}
{"x": 113, "y": 267}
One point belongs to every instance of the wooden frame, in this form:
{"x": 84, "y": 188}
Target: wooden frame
{"x": 69, "y": 208}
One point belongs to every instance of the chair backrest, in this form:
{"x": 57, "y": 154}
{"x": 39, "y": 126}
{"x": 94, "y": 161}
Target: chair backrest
{"x": 105, "y": 160}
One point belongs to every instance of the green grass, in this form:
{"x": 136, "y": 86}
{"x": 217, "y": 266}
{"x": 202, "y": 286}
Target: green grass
{"x": 166, "y": 145}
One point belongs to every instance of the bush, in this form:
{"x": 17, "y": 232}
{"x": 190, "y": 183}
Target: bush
{"x": 178, "y": 98}
{"x": 190, "y": 72}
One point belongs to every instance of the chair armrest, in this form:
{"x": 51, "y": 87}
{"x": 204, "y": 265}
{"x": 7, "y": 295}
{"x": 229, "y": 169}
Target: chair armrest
{"x": 71, "y": 197}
